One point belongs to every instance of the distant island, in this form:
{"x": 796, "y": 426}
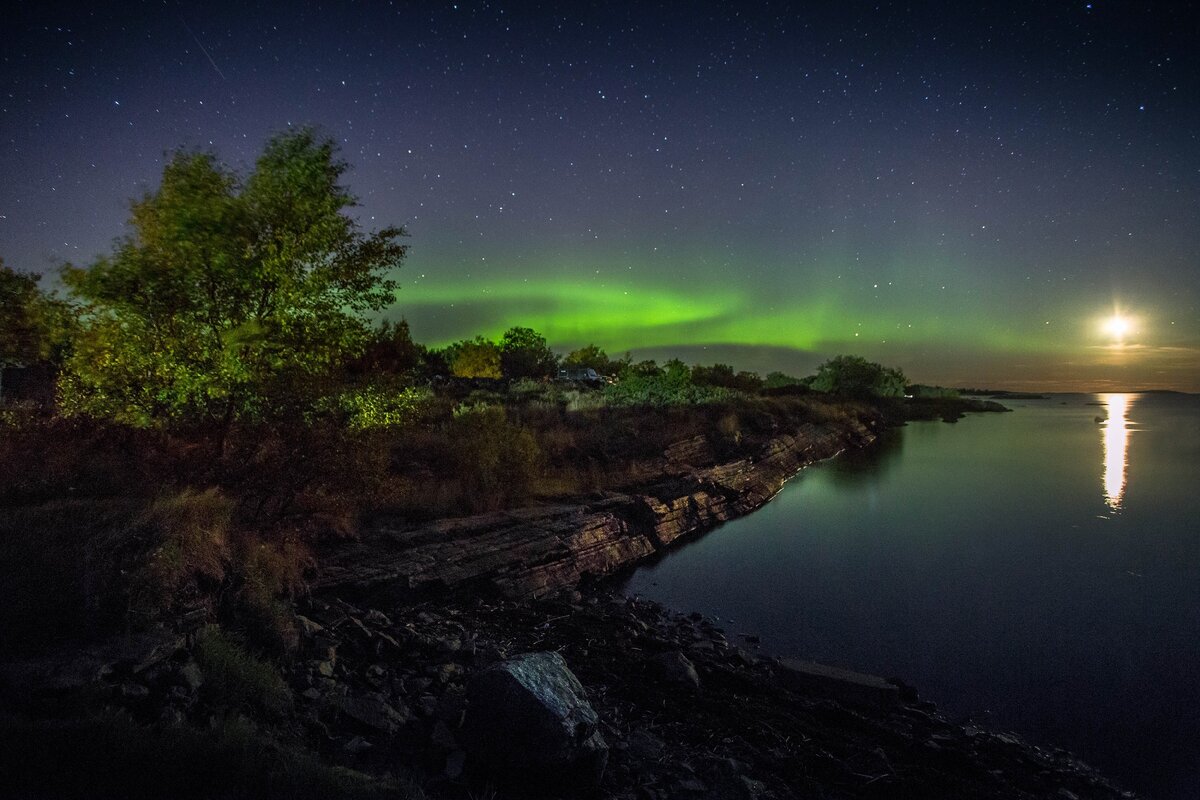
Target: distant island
{"x": 1003, "y": 394}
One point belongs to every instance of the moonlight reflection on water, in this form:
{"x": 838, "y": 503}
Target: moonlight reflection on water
{"x": 1116, "y": 430}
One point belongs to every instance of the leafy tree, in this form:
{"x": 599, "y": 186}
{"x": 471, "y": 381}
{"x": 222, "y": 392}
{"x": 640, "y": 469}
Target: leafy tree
{"x": 722, "y": 375}
{"x": 591, "y": 356}
{"x": 474, "y": 358}
{"x": 35, "y": 328}
{"x": 716, "y": 375}
{"x": 391, "y": 351}
{"x": 676, "y": 372}
{"x": 33, "y": 325}
{"x": 648, "y": 368}
{"x": 525, "y": 354}
{"x": 230, "y": 298}
{"x": 854, "y": 376}
{"x": 779, "y": 380}
{"x": 892, "y": 383}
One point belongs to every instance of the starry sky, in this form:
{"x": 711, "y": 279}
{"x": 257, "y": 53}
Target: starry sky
{"x": 969, "y": 191}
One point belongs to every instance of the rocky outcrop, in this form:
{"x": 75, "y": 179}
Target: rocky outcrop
{"x": 532, "y": 551}
{"x": 686, "y": 710}
{"x": 529, "y": 721}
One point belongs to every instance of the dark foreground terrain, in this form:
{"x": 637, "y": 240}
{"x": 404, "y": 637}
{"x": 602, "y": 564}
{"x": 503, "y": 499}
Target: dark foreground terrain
{"x": 484, "y": 656}
{"x": 684, "y": 709}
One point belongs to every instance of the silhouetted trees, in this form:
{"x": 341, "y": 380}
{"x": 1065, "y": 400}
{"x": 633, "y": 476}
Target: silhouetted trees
{"x": 591, "y": 356}
{"x": 854, "y": 376}
{"x": 524, "y": 353}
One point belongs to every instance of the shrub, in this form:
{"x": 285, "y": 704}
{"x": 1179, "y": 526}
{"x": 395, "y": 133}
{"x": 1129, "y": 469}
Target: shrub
{"x": 780, "y": 380}
{"x": 496, "y": 460}
{"x": 378, "y": 407}
{"x": 186, "y": 540}
{"x": 663, "y": 390}
{"x": 269, "y": 570}
{"x": 235, "y": 680}
{"x": 577, "y": 400}
{"x": 474, "y": 358}
{"x": 854, "y": 376}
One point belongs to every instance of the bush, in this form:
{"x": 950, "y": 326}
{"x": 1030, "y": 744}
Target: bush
{"x": 378, "y": 407}
{"x": 663, "y": 390}
{"x": 186, "y": 539}
{"x": 497, "y": 461}
{"x": 235, "y": 680}
{"x": 854, "y": 376}
{"x": 780, "y": 380}
{"x": 268, "y": 571}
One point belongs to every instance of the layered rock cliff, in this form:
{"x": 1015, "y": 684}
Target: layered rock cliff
{"x": 533, "y": 551}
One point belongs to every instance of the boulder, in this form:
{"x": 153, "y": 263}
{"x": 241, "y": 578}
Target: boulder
{"x": 677, "y": 668}
{"x": 373, "y": 711}
{"x": 528, "y": 721}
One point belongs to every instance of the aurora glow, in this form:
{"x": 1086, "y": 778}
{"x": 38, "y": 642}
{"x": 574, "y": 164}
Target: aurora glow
{"x": 966, "y": 191}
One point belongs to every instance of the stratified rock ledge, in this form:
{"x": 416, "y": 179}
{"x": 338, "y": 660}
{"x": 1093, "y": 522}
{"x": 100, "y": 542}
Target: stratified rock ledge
{"x": 533, "y": 551}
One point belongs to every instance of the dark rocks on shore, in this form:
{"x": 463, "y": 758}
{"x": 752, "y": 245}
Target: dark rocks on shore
{"x": 529, "y": 722}
{"x": 460, "y": 718}
{"x": 676, "y": 668}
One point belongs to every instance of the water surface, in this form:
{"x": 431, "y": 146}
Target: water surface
{"x": 1038, "y": 571}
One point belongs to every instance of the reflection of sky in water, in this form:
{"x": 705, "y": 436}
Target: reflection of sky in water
{"x": 1116, "y": 443}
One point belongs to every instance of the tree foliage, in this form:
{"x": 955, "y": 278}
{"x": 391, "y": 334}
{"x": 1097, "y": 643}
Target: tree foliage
{"x": 854, "y": 376}
{"x": 591, "y": 356}
{"x": 391, "y": 351}
{"x": 474, "y": 358}
{"x": 230, "y": 297}
{"x": 780, "y": 380}
{"x": 524, "y": 353}
{"x": 722, "y": 375}
{"x": 33, "y": 325}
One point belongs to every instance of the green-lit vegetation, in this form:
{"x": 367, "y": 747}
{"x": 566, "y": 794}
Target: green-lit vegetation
{"x": 233, "y": 297}
{"x": 235, "y": 680}
{"x": 853, "y": 376}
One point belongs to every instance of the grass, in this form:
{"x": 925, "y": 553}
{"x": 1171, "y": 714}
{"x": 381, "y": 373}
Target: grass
{"x": 237, "y": 681}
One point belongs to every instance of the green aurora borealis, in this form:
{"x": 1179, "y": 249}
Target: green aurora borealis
{"x": 967, "y": 336}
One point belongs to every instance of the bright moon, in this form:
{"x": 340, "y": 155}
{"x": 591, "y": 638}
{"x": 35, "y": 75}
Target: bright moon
{"x": 1117, "y": 326}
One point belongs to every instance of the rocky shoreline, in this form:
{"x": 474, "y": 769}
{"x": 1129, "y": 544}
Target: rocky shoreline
{"x": 672, "y": 706}
{"x": 487, "y": 656}
{"x": 529, "y": 552}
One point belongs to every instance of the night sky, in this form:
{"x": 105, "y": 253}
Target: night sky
{"x": 967, "y": 191}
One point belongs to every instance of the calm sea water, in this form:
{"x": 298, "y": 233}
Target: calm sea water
{"x": 1038, "y": 571}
